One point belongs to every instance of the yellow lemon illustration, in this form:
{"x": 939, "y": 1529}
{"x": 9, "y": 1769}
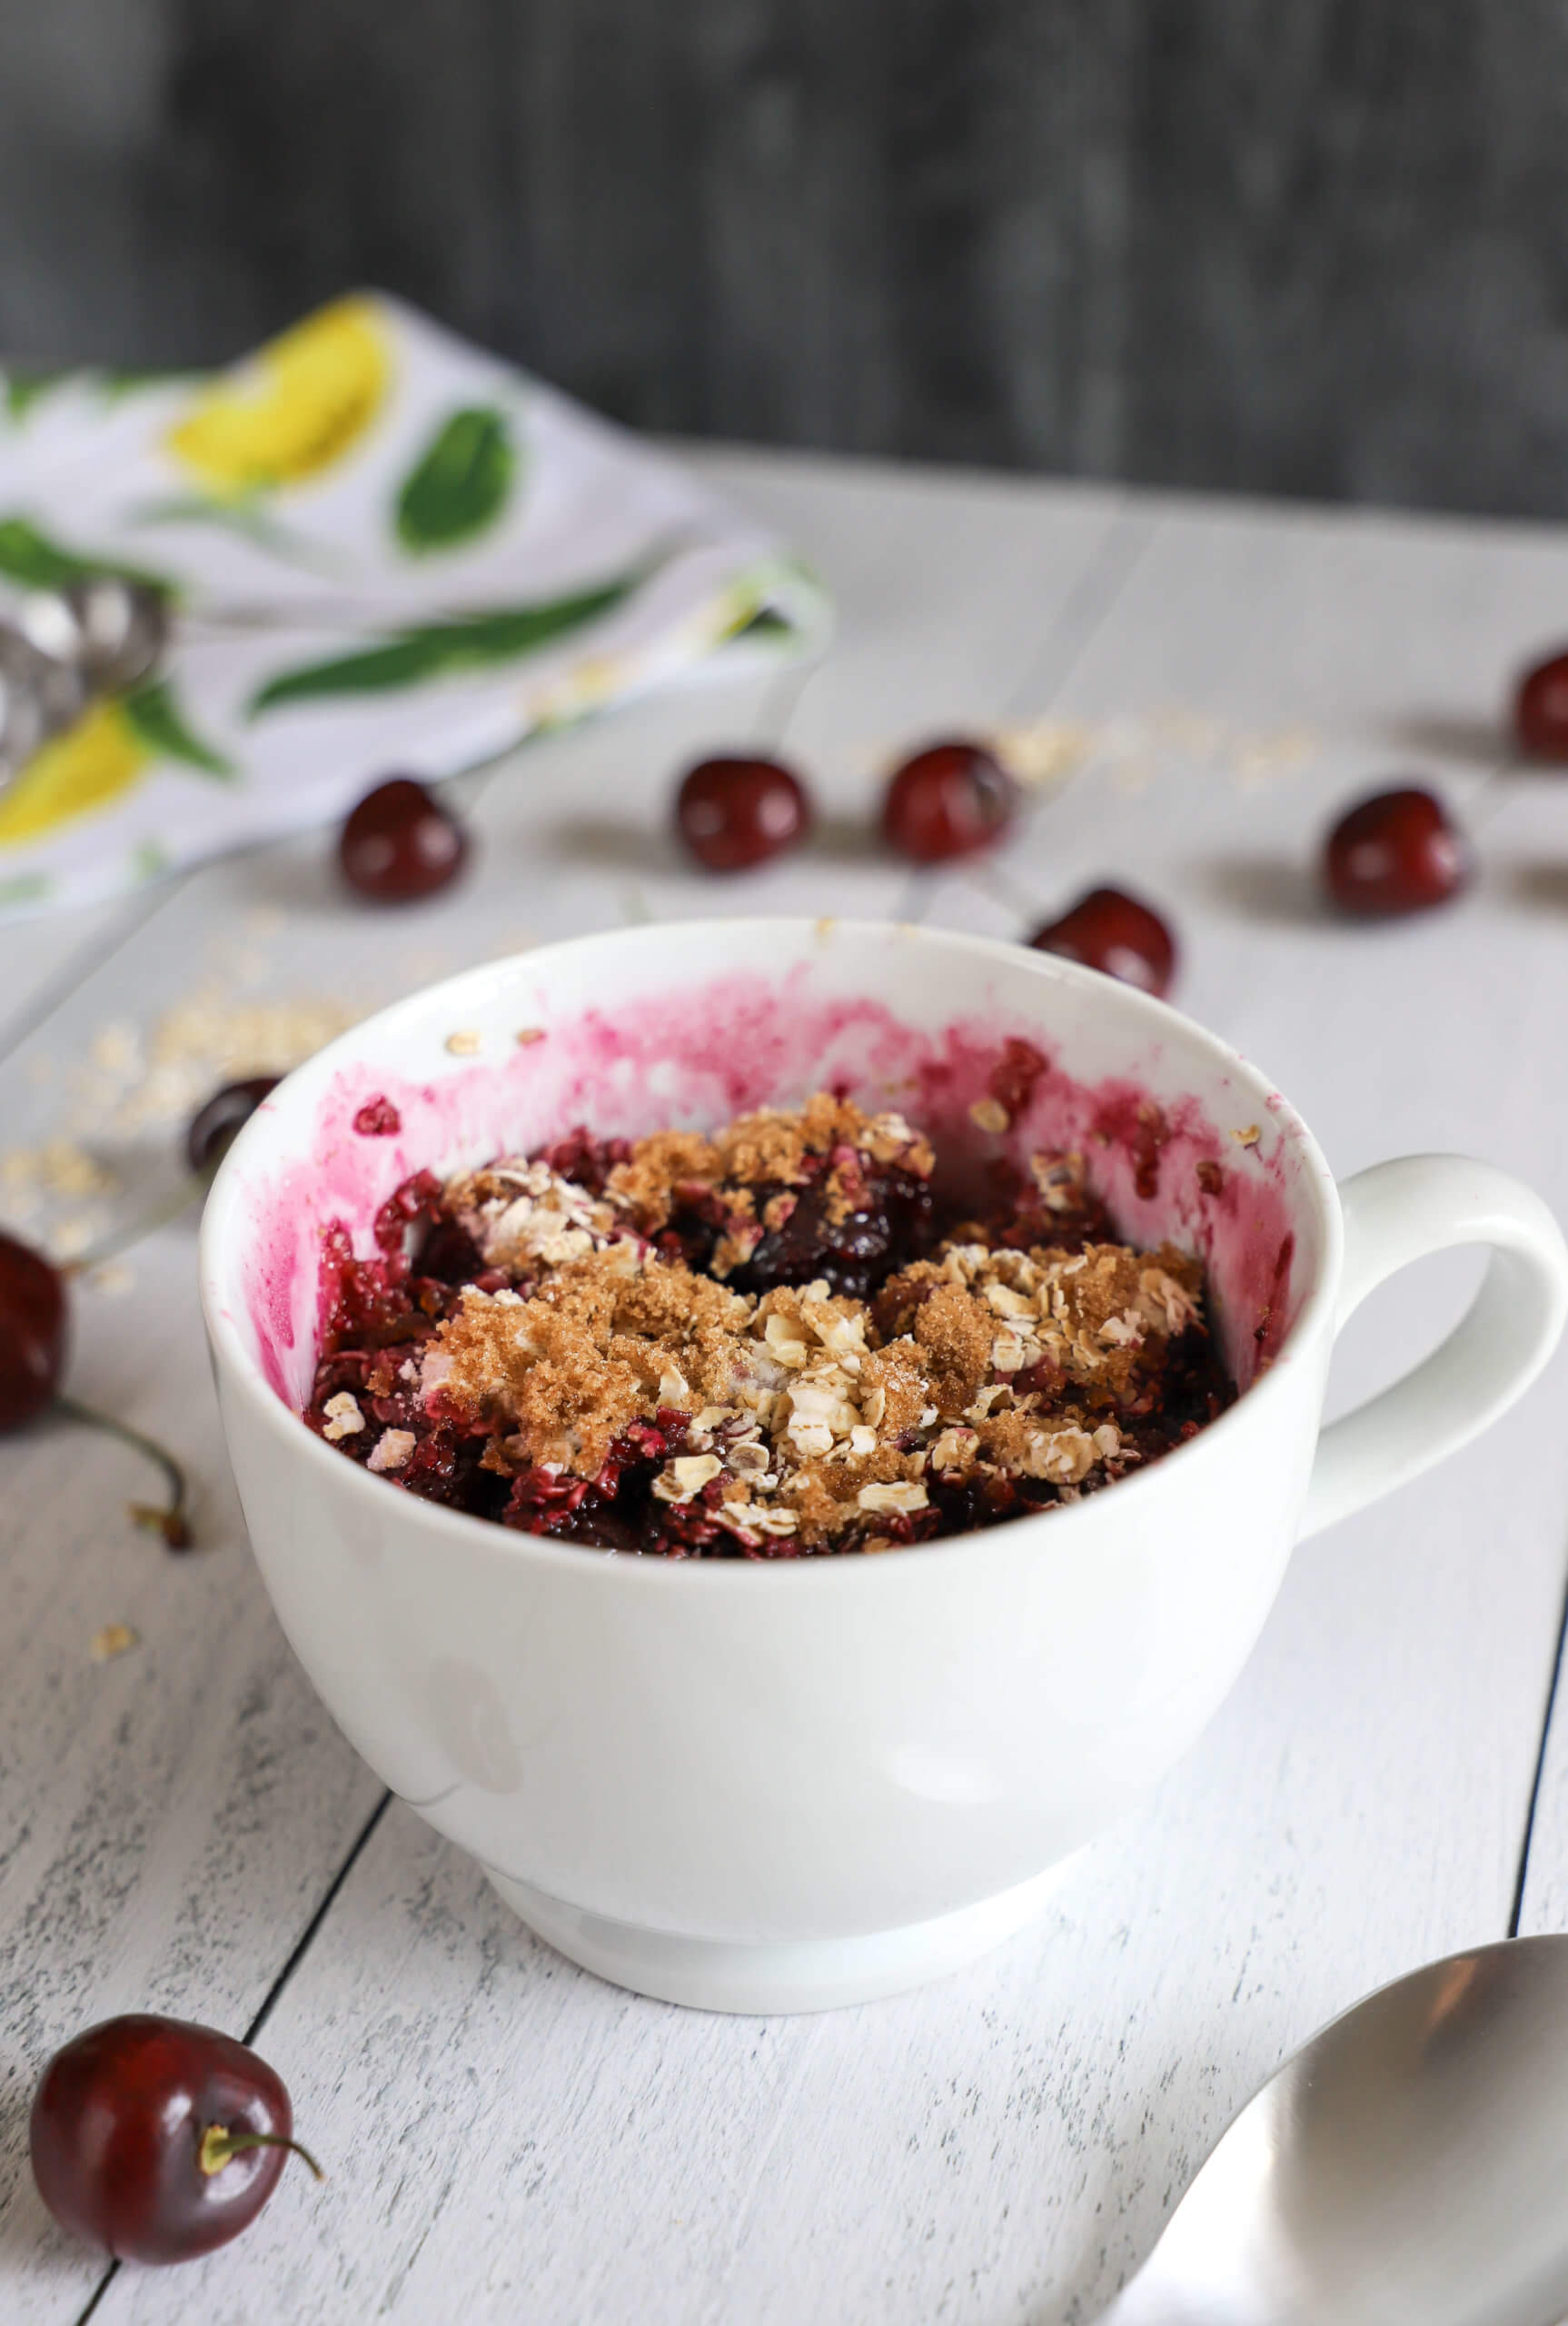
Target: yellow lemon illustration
{"x": 95, "y": 761}
{"x": 300, "y": 405}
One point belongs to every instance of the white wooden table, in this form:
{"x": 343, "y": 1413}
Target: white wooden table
{"x": 183, "y": 1829}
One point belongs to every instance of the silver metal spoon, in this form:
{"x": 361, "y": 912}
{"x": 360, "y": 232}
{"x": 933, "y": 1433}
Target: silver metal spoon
{"x": 1407, "y": 2167}
{"x": 39, "y": 697}
{"x": 110, "y": 630}
{"x": 99, "y": 635}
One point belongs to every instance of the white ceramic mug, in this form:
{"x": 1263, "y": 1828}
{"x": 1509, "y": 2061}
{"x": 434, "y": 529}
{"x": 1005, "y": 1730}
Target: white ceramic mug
{"x": 775, "y": 1786}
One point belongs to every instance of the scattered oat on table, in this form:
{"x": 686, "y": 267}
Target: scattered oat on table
{"x": 112, "y": 1640}
{"x": 112, "y": 1278}
{"x": 72, "y": 1239}
{"x": 1131, "y": 749}
{"x": 35, "y": 1180}
{"x": 1253, "y": 759}
{"x": 213, "y": 1039}
{"x": 1044, "y": 754}
{"x": 59, "y": 1168}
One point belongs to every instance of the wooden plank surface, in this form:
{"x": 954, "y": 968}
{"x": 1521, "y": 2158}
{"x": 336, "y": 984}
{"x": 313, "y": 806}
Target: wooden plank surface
{"x": 42, "y": 956}
{"x": 508, "y": 2138}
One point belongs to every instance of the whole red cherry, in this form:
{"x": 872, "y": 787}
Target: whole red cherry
{"x": 400, "y": 843}
{"x": 214, "y": 1128}
{"x": 733, "y": 813}
{"x": 948, "y": 800}
{"x": 1394, "y": 853}
{"x": 158, "y": 2140}
{"x": 32, "y": 1332}
{"x": 33, "y": 1342}
{"x": 1107, "y": 929}
{"x": 1540, "y": 710}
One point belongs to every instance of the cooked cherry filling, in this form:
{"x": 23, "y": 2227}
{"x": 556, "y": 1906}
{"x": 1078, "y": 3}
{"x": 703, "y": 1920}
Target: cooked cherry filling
{"x": 782, "y": 1339}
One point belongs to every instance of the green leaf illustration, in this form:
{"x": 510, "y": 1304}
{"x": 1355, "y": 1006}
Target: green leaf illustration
{"x": 114, "y": 386}
{"x": 24, "y": 389}
{"x": 460, "y": 483}
{"x": 765, "y": 621}
{"x": 153, "y": 712}
{"x": 440, "y": 650}
{"x": 29, "y": 556}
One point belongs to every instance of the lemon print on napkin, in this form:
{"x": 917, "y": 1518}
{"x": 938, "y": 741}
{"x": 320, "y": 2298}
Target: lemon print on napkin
{"x": 312, "y": 394}
{"x": 99, "y": 761}
{"x": 375, "y": 544}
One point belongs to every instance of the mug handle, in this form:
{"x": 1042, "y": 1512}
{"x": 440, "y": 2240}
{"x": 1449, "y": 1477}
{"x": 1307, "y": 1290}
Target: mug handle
{"x": 1399, "y": 1212}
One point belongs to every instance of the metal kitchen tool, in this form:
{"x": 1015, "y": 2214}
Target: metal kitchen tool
{"x": 110, "y": 630}
{"x": 1407, "y": 2167}
{"x": 97, "y": 636}
{"x": 39, "y": 697}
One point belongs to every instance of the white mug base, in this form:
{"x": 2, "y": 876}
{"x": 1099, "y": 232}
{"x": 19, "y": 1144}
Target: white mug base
{"x": 805, "y": 1974}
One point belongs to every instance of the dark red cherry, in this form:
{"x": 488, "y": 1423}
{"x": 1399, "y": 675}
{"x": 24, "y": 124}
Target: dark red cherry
{"x": 401, "y": 843}
{"x": 33, "y": 1342}
{"x": 214, "y": 1126}
{"x": 1394, "y": 853}
{"x": 1107, "y": 929}
{"x": 948, "y": 800}
{"x": 734, "y": 813}
{"x": 32, "y": 1332}
{"x": 158, "y": 2140}
{"x": 1540, "y": 710}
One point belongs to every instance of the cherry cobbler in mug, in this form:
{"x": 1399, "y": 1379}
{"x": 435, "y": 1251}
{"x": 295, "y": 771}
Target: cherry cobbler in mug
{"x": 782, "y": 1338}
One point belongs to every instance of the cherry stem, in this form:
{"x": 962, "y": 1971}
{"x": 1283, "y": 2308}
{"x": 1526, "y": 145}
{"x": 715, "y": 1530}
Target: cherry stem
{"x": 170, "y": 1523}
{"x": 122, "y": 1239}
{"x": 219, "y": 2146}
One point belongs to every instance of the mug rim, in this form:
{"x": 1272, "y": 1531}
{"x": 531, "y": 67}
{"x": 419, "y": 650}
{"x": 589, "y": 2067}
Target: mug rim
{"x": 221, "y": 1219}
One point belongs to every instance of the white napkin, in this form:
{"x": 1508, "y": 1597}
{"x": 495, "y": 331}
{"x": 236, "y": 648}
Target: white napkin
{"x": 386, "y": 553}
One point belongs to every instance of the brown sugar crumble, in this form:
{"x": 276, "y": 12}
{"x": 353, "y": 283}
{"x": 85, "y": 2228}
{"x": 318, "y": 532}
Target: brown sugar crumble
{"x": 776, "y": 1339}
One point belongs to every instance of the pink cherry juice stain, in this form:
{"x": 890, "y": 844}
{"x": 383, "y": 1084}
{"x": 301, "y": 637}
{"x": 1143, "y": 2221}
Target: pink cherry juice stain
{"x": 696, "y": 1057}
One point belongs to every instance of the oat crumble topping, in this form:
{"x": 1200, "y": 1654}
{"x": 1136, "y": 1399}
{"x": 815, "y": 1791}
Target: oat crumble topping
{"x": 772, "y": 1339}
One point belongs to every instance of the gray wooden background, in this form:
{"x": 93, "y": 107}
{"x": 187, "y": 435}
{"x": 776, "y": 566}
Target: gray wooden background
{"x": 1301, "y": 246}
